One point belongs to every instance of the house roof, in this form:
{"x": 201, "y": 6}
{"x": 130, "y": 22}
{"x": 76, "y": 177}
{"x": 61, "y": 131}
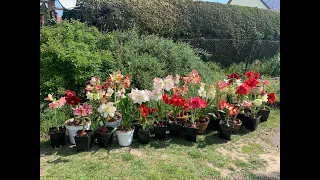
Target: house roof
{"x": 272, "y": 4}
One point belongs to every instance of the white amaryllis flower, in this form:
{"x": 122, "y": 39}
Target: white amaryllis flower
{"x": 158, "y": 83}
{"x": 139, "y": 96}
{"x": 120, "y": 93}
{"x": 101, "y": 94}
{"x": 257, "y": 102}
{"x": 211, "y": 94}
{"x": 168, "y": 83}
{"x": 96, "y": 96}
{"x": 265, "y": 97}
{"x": 238, "y": 82}
{"x": 202, "y": 92}
{"x": 107, "y": 109}
{"x": 110, "y": 91}
{"x": 202, "y": 85}
{"x": 176, "y": 79}
{"x": 226, "y": 80}
{"x": 156, "y": 94}
{"x": 89, "y": 96}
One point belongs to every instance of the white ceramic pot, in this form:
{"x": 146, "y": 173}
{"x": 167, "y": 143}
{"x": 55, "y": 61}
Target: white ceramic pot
{"x": 114, "y": 124}
{"x": 125, "y": 137}
{"x": 72, "y": 130}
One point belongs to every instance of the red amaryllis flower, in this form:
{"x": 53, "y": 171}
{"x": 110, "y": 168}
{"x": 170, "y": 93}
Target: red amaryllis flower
{"x": 153, "y": 110}
{"x": 194, "y": 103}
{"x": 233, "y": 76}
{"x": 271, "y": 98}
{"x": 165, "y": 98}
{"x": 203, "y": 103}
{"x": 71, "y": 98}
{"x": 249, "y": 74}
{"x": 233, "y": 112}
{"x": 186, "y": 107}
{"x": 144, "y": 110}
{"x": 174, "y": 100}
{"x": 224, "y": 105}
{"x": 182, "y": 101}
{"x": 265, "y": 82}
{"x": 243, "y": 89}
{"x": 262, "y": 93}
{"x": 252, "y": 82}
{"x": 256, "y": 76}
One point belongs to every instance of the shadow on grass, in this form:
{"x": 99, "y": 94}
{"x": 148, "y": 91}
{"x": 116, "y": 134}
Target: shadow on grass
{"x": 58, "y": 161}
{"x": 213, "y": 138}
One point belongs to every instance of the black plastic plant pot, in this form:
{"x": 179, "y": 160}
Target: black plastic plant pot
{"x": 225, "y": 130}
{"x": 191, "y": 134}
{"x": 137, "y": 126}
{"x": 57, "y": 139}
{"x": 243, "y": 118}
{"x": 105, "y": 139}
{"x": 264, "y": 114}
{"x": 252, "y": 123}
{"x": 175, "y": 130}
{"x": 83, "y": 143}
{"x": 144, "y": 136}
{"x": 160, "y": 132}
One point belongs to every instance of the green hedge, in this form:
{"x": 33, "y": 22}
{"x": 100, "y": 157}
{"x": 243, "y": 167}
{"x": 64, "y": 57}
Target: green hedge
{"x": 190, "y": 21}
{"x": 71, "y": 53}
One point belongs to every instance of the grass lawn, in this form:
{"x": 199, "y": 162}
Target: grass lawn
{"x": 249, "y": 155}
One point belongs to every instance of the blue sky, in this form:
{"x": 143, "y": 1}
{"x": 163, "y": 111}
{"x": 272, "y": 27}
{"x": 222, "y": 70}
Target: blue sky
{"x": 60, "y": 11}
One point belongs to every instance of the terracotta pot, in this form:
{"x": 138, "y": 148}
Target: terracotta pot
{"x": 237, "y": 125}
{"x": 203, "y": 127}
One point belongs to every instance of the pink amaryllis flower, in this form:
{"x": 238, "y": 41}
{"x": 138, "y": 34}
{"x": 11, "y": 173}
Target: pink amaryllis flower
{"x": 49, "y": 98}
{"x": 62, "y": 101}
{"x": 158, "y": 83}
{"x": 196, "y": 103}
{"x": 246, "y": 103}
{"x": 223, "y": 84}
{"x": 168, "y": 83}
{"x": 87, "y": 107}
{"x": 54, "y": 105}
{"x": 80, "y": 111}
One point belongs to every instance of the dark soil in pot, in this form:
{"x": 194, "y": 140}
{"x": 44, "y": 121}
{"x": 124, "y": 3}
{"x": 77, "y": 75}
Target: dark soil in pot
{"x": 83, "y": 143}
{"x": 144, "y": 136}
{"x": 226, "y": 131}
{"x": 57, "y": 138}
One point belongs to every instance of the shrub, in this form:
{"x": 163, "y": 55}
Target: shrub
{"x": 69, "y": 56}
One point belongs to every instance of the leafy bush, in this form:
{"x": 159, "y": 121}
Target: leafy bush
{"x": 69, "y": 56}
{"x": 197, "y": 22}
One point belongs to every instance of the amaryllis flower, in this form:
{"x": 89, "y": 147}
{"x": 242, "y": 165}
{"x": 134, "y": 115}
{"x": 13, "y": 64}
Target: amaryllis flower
{"x": 165, "y": 98}
{"x": 202, "y": 92}
{"x": 153, "y": 110}
{"x": 107, "y": 109}
{"x": 271, "y": 97}
{"x": 109, "y": 93}
{"x": 49, "y": 98}
{"x": 120, "y": 93}
{"x": 158, "y": 83}
{"x": 264, "y": 98}
{"x": 89, "y": 88}
{"x": 116, "y": 77}
{"x": 168, "y": 83}
{"x": 62, "y": 101}
{"x": 196, "y": 103}
{"x": 139, "y": 96}
{"x": 71, "y": 98}
{"x": 225, "y": 105}
{"x": 238, "y": 82}
{"x": 222, "y": 85}
{"x": 249, "y": 74}
{"x": 194, "y": 77}
{"x": 185, "y": 79}
{"x": 211, "y": 94}
{"x": 94, "y": 81}
{"x": 246, "y": 103}
{"x": 79, "y": 111}
{"x": 87, "y": 107}
{"x": 174, "y": 100}
{"x": 127, "y": 81}
{"x": 155, "y": 94}
{"x": 53, "y": 105}
{"x": 256, "y": 76}
{"x": 252, "y": 82}
{"x": 257, "y": 102}
{"x": 243, "y": 89}
{"x": 176, "y": 79}
{"x": 144, "y": 110}
{"x": 233, "y": 111}
{"x": 233, "y": 76}
{"x": 186, "y": 107}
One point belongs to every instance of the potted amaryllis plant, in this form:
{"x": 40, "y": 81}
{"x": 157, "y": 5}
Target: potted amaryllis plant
{"x": 226, "y": 124}
{"x": 253, "y": 119}
{"x": 57, "y": 134}
{"x": 242, "y": 91}
{"x": 265, "y": 111}
{"x": 196, "y": 106}
{"x": 83, "y": 138}
{"x": 74, "y": 124}
{"x": 144, "y": 133}
{"x": 252, "y": 81}
{"x": 177, "y": 103}
{"x": 104, "y": 133}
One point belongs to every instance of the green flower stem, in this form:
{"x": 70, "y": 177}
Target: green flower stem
{"x": 55, "y": 116}
{"x": 83, "y": 123}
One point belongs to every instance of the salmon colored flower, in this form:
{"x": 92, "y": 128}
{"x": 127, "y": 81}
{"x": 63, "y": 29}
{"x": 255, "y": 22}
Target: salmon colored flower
{"x": 53, "y": 105}
{"x": 49, "y": 98}
{"x": 62, "y": 101}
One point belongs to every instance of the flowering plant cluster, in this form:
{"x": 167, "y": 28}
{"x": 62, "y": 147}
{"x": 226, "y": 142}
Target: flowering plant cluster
{"x": 54, "y": 105}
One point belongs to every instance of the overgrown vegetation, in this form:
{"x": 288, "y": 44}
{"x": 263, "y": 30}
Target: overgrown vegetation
{"x": 196, "y": 22}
